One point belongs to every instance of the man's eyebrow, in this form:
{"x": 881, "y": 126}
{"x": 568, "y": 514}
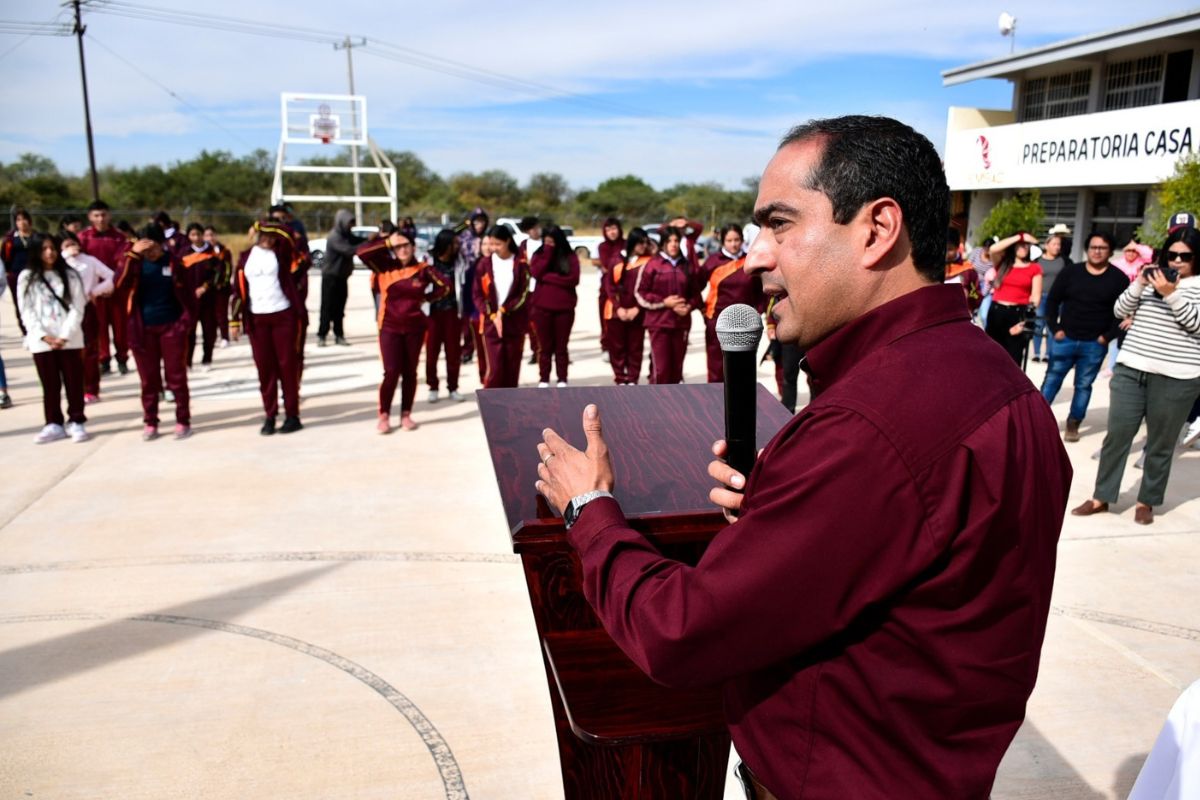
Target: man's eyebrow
{"x": 762, "y": 215}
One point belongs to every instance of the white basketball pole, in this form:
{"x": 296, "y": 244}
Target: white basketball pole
{"x": 348, "y": 46}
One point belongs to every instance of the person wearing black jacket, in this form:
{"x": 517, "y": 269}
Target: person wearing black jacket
{"x": 1079, "y": 313}
{"x": 336, "y": 270}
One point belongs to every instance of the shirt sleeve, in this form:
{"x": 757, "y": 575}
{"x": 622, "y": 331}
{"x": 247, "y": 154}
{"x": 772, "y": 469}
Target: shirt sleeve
{"x": 1186, "y": 310}
{"x": 829, "y": 530}
{"x": 74, "y": 321}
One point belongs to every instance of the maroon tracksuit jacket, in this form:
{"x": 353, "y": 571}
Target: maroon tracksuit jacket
{"x": 625, "y": 338}
{"x": 728, "y": 284}
{"x": 503, "y": 350}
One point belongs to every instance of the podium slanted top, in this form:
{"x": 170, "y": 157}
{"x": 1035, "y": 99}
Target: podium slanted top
{"x": 660, "y": 439}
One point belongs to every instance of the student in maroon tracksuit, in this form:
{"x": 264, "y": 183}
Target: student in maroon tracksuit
{"x": 224, "y": 283}
{"x": 611, "y": 252}
{"x": 197, "y": 254}
{"x": 501, "y": 293}
{"x": 532, "y": 228}
{"x": 622, "y": 316}
{"x": 666, "y": 288}
{"x": 162, "y": 306}
{"x": 556, "y": 269}
{"x": 444, "y": 329}
{"x": 103, "y": 241}
{"x": 404, "y": 285}
{"x": 728, "y": 284}
{"x": 14, "y": 251}
{"x": 269, "y": 303}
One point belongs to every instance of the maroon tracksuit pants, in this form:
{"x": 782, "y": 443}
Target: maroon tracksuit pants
{"x": 668, "y": 346}
{"x": 208, "y": 329}
{"x": 222, "y": 298}
{"x": 605, "y": 343}
{"x": 91, "y": 350}
{"x": 400, "y": 353}
{"x": 11, "y": 278}
{"x": 443, "y": 330}
{"x": 59, "y": 369}
{"x": 712, "y": 348}
{"x": 469, "y": 336}
{"x": 504, "y": 357}
{"x": 273, "y": 341}
{"x": 625, "y": 343}
{"x": 553, "y": 332}
{"x": 112, "y": 313}
{"x": 163, "y": 350}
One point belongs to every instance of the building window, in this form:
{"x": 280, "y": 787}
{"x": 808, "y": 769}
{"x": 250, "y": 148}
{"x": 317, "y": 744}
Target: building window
{"x": 1118, "y": 214}
{"x": 1060, "y": 207}
{"x": 1134, "y": 83}
{"x": 1056, "y": 96}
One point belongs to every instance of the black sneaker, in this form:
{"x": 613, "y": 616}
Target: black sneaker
{"x": 290, "y": 425}
{"x": 268, "y": 428}
{"x": 341, "y": 340}
{"x": 105, "y": 366}
{"x": 467, "y": 358}
{"x": 5, "y": 400}
{"x": 322, "y": 342}
{"x": 123, "y": 367}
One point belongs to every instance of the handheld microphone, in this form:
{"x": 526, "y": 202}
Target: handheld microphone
{"x": 739, "y": 329}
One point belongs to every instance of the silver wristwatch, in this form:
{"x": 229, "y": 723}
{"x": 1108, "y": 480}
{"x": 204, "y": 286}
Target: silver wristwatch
{"x": 571, "y": 512}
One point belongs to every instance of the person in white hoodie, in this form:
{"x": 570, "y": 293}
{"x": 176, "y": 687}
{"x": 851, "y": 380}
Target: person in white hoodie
{"x": 52, "y": 301}
{"x": 97, "y": 283}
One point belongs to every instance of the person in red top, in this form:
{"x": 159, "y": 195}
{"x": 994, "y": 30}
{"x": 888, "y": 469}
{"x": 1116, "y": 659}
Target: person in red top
{"x": 875, "y": 614}
{"x": 666, "y": 290}
{"x": 103, "y": 241}
{"x": 611, "y": 252}
{"x": 268, "y": 303}
{"x": 197, "y": 254}
{"x": 501, "y": 294}
{"x": 404, "y": 285}
{"x": 556, "y": 269}
{"x": 728, "y": 284}
{"x": 162, "y": 305}
{"x": 1016, "y": 291}
{"x": 622, "y": 314}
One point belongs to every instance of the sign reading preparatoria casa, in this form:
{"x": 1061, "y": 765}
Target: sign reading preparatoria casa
{"x": 1111, "y": 148}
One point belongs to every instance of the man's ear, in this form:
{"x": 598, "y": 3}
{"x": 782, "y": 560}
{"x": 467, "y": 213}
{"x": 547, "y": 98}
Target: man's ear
{"x": 881, "y": 223}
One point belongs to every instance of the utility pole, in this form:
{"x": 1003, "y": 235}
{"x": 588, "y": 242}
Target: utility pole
{"x": 349, "y": 46}
{"x": 87, "y": 112}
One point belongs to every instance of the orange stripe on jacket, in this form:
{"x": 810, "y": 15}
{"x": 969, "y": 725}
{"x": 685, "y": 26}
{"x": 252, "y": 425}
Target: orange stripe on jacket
{"x": 719, "y": 274}
{"x": 386, "y": 279}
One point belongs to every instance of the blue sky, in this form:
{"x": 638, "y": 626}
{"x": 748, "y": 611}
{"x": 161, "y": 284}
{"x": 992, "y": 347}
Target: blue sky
{"x": 684, "y": 92}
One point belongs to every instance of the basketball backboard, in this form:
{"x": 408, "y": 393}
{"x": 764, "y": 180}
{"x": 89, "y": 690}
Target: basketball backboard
{"x": 338, "y": 119}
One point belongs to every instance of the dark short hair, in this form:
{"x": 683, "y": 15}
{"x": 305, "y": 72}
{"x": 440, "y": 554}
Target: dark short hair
{"x": 442, "y": 243}
{"x": 386, "y": 227}
{"x": 1107, "y": 237}
{"x": 866, "y": 158}
{"x": 195, "y": 226}
{"x": 527, "y": 224}
{"x": 728, "y": 228}
{"x": 154, "y": 233}
{"x": 164, "y": 219}
{"x": 1189, "y": 236}
{"x": 97, "y": 205}
{"x": 953, "y": 237}
{"x": 208, "y": 228}
{"x": 503, "y": 233}
{"x": 20, "y": 212}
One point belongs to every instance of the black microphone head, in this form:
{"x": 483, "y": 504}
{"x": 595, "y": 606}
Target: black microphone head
{"x": 739, "y": 328}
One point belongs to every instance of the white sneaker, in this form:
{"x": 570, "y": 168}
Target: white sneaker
{"x": 561, "y": 384}
{"x": 206, "y": 367}
{"x": 543, "y": 385}
{"x": 77, "y": 432}
{"x": 605, "y": 357}
{"x": 1141, "y": 461}
{"x": 1191, "y": 433}
{"x": 223, "y": 344}
{"x": 433, "y": 396}
{"x": 456, "y": 397}
{"x": 169, "y": 396}
{"x": 51, "y": 433}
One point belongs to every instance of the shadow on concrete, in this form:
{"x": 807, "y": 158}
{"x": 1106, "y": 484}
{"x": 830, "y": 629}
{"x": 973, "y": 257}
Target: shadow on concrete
{"x": 23, "y": 668}
{"x": 1033, "y": 767}
{"x": 1126, "y": 775}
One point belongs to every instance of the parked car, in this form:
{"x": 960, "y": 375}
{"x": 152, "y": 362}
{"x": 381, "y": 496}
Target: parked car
{"x": 316, "y": 247}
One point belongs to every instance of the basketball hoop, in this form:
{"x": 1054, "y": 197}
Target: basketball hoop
{"x": 324, "y": 126}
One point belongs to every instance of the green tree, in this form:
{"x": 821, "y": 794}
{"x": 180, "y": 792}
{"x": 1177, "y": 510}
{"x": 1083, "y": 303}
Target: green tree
{"x": 494, "y": 190}
{"x": 1180, "y": 192}
{"x": 709, "y": 202}
{"x": 1022, "y": 212}
{"x": 547, "y": 193}
{"x": 627, "y": 196}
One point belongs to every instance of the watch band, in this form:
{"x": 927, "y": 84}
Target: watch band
{"x": 571, "y": 512}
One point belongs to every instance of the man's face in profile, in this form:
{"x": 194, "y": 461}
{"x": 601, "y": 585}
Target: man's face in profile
{"x": 805, "y": 259}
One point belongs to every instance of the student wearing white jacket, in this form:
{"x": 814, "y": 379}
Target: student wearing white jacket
{"x": 97, "y": 283}
{"x": 51, "y": 299}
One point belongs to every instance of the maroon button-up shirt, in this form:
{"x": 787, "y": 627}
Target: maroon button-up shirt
{"x": 877, "y": 613}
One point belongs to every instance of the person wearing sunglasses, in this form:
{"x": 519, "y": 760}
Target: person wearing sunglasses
{"x": 1157, "y": 376}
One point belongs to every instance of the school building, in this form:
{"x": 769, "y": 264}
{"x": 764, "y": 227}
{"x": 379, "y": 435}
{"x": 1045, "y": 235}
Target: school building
{"x": 1096, "y": 124}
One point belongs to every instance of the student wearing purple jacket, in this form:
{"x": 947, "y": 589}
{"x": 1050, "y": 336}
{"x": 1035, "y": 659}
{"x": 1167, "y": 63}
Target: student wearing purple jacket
{"x": 875, "y": 613}
{"x": 666, "y": 288}
{"x": 556, "y": 269}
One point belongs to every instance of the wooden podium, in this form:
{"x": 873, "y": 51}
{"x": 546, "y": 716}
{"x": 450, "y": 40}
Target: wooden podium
{"x": 620, "y": 735}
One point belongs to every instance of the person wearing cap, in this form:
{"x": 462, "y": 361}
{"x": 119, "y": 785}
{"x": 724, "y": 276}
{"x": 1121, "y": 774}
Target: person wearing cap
{"x": 162, "y": 306}
{"x": 268, "y": 303}
{"x": 1052, "y": 261}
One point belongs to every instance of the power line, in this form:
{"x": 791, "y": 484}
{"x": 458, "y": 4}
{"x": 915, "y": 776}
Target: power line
{"x": 167, "y": 89}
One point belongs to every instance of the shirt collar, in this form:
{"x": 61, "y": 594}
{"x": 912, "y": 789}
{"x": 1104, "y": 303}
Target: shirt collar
{"x": 830, "y": 360}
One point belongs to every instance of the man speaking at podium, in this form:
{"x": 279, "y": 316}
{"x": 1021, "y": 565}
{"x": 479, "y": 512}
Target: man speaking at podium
{"x": 876, "y": 611}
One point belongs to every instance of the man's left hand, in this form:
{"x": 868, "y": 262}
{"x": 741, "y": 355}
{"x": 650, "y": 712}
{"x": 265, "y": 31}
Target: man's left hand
{"x": 565, "y": 473}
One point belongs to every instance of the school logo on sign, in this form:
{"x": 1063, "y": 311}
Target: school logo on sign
{"x": 983, "y": 152}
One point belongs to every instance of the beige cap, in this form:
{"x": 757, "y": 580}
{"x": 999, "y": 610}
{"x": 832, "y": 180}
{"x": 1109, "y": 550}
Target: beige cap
{"x": 1060, "y": 230}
